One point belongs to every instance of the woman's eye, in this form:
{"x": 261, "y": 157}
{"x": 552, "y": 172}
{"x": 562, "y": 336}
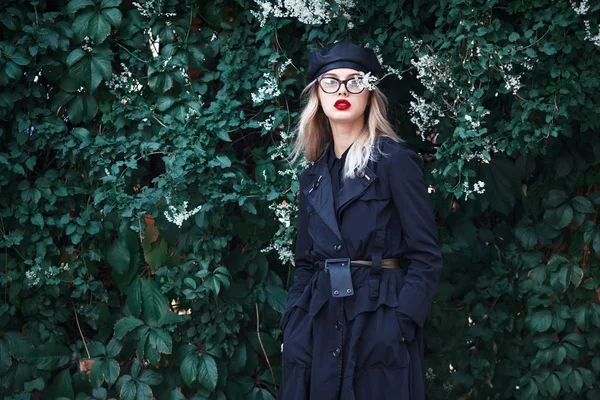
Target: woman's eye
{"x": 354, "y": 83}
{"x": 329, "y": 82}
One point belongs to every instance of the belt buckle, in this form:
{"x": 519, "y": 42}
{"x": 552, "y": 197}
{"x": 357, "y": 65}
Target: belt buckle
{"x": 340, "y": 276}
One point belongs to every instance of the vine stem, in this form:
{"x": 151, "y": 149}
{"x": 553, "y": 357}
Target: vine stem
{"x": 81, "y": 333}
{"x": 263, "y": 347}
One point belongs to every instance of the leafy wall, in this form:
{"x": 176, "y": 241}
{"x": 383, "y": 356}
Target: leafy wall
{"x": 147, "y": 209}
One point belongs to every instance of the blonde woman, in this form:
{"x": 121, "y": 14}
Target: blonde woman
{"x": 367, "y": 254}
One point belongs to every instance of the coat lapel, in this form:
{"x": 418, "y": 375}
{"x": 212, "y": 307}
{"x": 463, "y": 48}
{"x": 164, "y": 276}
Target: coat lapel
{"x": 319, "y": 195}
{"x": 353, "y": 188}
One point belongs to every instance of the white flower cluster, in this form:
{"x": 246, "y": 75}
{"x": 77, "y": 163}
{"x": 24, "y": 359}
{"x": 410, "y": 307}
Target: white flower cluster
{"x": 389, "y": 69}
{"x": 282, "y": 242}
{"x": 124, "y": 81}
{"x": 310, "y": 12}
{"x": 582, "y": 8}
{"x": 430, "y": 375}
{"x": 267, "y": 124}
{"x": 152, "y": 8}
{"x": 478, "y": 188}
{"x": 512, "y": 83}
{"x": 432, "y": 72}
{"x": 588, "y": 34}
{"x": 174, "y": 216}
{"x": 268, "y": 90}
{"x": 424, "y": 114}
{"x": 367, "y": 81}
{"x": 86, "y": 44}
{"x": 488, "y": 146}
{"x": 35, "y": 273}
{"x": 475, "y": 116}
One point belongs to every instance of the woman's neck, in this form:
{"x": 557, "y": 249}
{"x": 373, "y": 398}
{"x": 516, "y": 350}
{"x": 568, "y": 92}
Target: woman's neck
{"x": 344, "y": 134}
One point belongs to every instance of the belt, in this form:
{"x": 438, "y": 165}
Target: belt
{"x": 341, "y": 276}
{"x": 390, "y": 263}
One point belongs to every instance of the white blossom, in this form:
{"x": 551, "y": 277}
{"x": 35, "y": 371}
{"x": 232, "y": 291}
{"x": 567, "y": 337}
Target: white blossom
{"x": 582, "y": 8}
{"x": 268, "y": 90}
{"x": 86, "y": 44}
{"x": 367, "y": 81}
{"x": 267, "y": 124}
{"x": 588, "y": 34}
{"x": 176, "y": 217}
{"x": 151, "y": 8}
{"x": 124, "y": 82}
{"x": 424, "y": 114}
{"x": 310, "y": 12}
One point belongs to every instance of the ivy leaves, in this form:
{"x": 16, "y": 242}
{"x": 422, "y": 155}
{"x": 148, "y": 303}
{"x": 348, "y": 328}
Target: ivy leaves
{"x": 95, "y": 18}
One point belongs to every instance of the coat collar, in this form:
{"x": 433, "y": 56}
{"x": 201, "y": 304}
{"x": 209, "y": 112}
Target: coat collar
{"x": 319, "y": 193}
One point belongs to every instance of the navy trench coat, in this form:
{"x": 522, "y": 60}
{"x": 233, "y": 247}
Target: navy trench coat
{"x": 352, "y": 347}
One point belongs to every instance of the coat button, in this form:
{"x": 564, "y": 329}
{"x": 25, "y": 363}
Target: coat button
{"x": 336, "y": 353}
{"x": 337, "y": 247}
{"x": 338, "y": 326}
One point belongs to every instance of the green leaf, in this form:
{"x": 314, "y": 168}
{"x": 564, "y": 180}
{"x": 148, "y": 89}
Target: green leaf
{"x": 150, "y": 377}
{"x": 189, "y": 368}
{"x": 134, "y": 296}
{"x": 81, "y": 24}
{"x": 160, "y": 82}
{"x": 82, "y": 134}
{"x": 128, "y": 389}
{"x": 12, "y": 70}
{"x": 118, "y": 256}
{"x": 50, "y": 356}
{"x": 548, "y": 48}
{"x": 113, "y": 348}
{"x": 154, "y": 302}
{"x": 76, "y": 5}
{"x": 161, "y": 341}
{"x": 126, "y": 325}
{"x": 541, "y": 321}
{"x": 98, "y": 28}
{"x": 556, "y": 198}
{"x": 5, "y": 359}
{"x": 564, "y": 216}
{"x": 113, "y": 16}
{"x": 553, "y": 385}
{"x": 207, "y": 372}
{"x": 163, "y": 103}
{"x": 576, "y": 381}
{"x": 526, "y": 234}
{"x": 37, "y": 220}
{"x": 62, "y": 385}
{"x": 75, "y": 56}
{"x": 596, "y": 243}
{"x": 224, "y": 160}
{"x": 100, "y": 67}
{"x": 588, "y": 377}
{"x": 582, "y": 205}
{"x": 513, "y": 37}
{"x": 575, "y": 339}
{"x": 276, "y": 297}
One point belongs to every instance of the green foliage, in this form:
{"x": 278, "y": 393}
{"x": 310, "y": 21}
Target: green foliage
{"x": 147, "y": 211}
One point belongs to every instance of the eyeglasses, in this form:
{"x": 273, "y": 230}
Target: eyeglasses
{"x": 332, "y": 85}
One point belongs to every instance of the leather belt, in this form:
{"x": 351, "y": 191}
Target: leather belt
{"x": 391, "y": 263}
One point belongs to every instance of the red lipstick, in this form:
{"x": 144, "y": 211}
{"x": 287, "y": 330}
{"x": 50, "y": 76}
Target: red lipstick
{"x": 342, "y": 104}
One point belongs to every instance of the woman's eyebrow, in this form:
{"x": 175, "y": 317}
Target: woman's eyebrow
{"x": 334, "y": 75}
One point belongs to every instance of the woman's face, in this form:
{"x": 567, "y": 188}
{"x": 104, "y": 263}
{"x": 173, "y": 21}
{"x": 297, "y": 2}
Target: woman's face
{"x": 342, "y": 106}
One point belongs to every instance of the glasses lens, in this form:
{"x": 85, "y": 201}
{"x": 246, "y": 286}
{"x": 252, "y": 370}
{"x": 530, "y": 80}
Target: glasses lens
{"x": 329, "y": 85}
{"x": 354, "y": 86}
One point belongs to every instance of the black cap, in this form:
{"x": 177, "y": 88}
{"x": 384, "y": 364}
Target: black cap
{"x": 342, "y": 55}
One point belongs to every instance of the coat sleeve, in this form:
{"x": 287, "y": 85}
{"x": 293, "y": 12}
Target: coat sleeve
{"x": 304, "y": 269}
{"x": 419, "y": 231}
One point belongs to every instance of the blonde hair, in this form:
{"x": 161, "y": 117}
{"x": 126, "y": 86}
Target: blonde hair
{"x": 314, "y": 132}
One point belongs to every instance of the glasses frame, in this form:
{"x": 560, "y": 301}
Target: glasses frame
{"x": 340, "y": 83}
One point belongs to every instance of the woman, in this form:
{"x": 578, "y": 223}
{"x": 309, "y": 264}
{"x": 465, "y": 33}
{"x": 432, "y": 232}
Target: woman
{"x": 367, "y": 254}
